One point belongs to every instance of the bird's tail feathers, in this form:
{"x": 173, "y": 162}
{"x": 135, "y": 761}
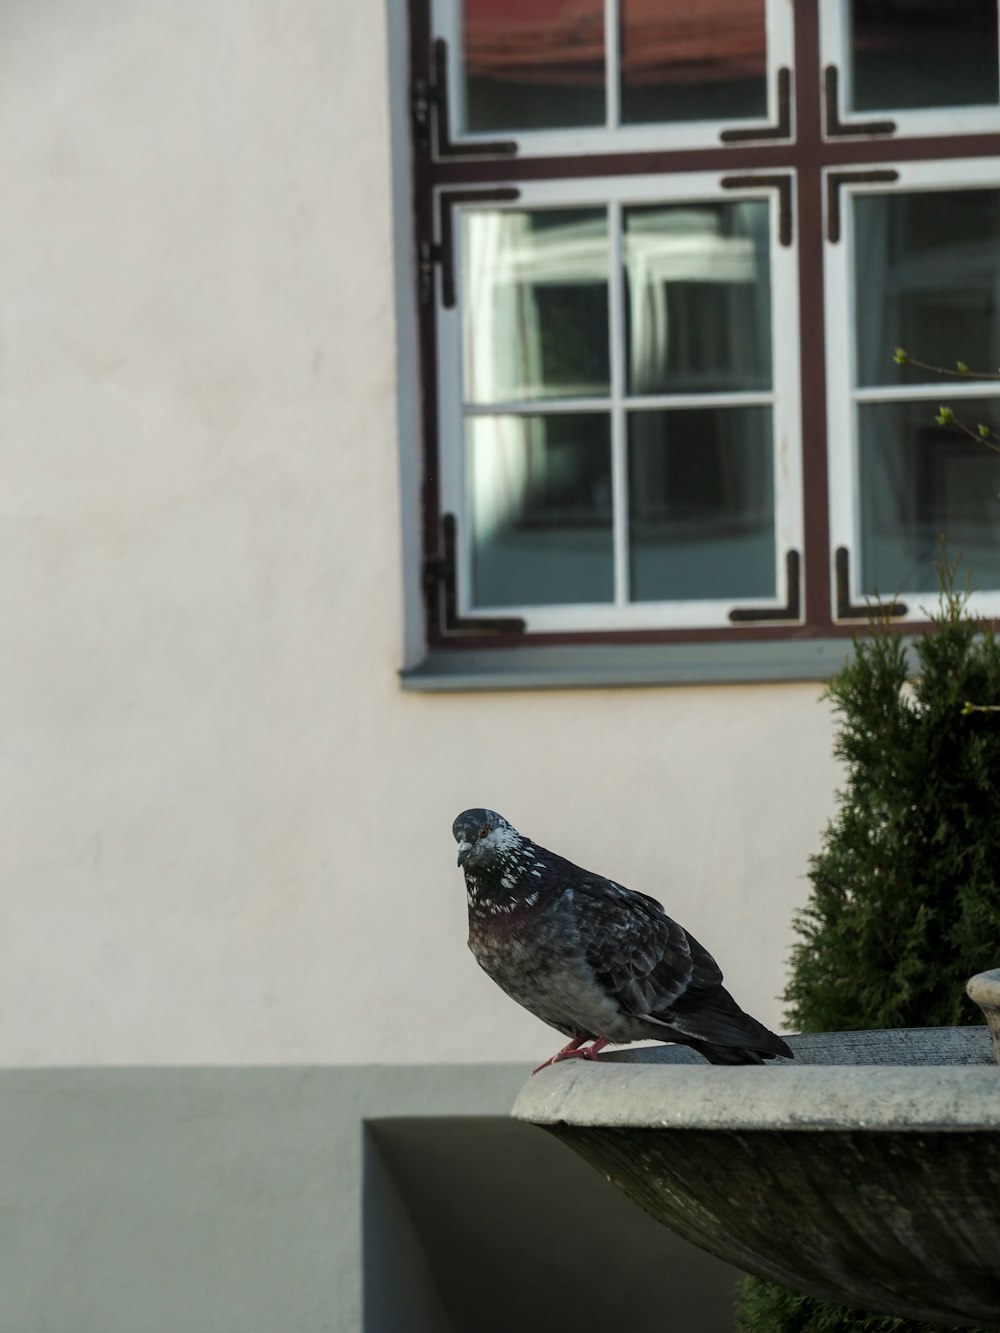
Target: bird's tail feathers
{"x": 726, "y": 1055}
{"x": 722, "y": 1025}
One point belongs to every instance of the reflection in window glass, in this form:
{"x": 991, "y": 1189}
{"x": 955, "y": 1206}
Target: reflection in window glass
{"x": 701, "y": 504}
{"x": 540, "y": 500}
{"x": 927, "y": 277}
{"x": 698, "y": 297}
{"x": 534, "y": 303}
{"x": 533, "y": 64}
{"x": 683, "y": 60}
{"x": 921, "y": 482}
{"x": 934, "y": 53}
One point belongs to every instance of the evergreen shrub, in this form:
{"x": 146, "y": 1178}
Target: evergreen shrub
{"x": 905, "y": 902}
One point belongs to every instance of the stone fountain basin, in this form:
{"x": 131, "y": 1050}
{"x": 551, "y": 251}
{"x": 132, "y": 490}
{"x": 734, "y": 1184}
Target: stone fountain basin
{"x": 866, "y": 1171}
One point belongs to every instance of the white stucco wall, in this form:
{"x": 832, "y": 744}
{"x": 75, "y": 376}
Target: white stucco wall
{"x": 226, "y": 828}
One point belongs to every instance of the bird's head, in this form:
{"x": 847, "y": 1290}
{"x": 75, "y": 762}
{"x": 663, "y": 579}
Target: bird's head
{"x": 483, "y": 835}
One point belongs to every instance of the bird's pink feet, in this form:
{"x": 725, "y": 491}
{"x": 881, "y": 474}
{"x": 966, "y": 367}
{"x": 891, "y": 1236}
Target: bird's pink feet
{"x": 572, "y": 1051}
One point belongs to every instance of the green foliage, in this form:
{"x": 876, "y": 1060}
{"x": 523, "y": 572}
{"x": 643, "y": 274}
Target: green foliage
{"x": 765, "y": 1308}
{"x": 905, "y": 905}
{"x": 906, "y": 900}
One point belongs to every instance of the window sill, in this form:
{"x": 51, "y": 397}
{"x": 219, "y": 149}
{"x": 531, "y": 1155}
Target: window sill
{"x": 595, "y": 666}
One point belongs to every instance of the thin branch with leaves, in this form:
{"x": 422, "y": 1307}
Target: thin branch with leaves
{"x": 981, "y": 433}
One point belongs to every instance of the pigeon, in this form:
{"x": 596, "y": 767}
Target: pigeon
{"x": 596, "y": 961}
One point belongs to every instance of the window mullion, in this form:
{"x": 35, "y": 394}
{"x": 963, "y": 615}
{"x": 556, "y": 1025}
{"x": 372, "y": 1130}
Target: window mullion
{"x": 612, "y": 83}
{"x": 619, "y": 469}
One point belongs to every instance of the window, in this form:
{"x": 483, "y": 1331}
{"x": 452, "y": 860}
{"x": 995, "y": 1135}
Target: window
{"x": 665, "y": 254}
{"x": 921, "y": 268}
{"x": 611, "y": 447}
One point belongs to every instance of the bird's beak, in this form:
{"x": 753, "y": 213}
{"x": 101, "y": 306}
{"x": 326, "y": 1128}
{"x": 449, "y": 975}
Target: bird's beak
{"x": 464, "y": 848}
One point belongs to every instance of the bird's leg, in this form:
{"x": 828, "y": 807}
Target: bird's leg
{"x": 567, "y": 1053}
{"x": 572, "y": 1051}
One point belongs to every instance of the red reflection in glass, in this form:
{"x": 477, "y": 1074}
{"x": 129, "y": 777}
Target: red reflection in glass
{"x": 533, "y": 63}
{"x": 693, "y": 59}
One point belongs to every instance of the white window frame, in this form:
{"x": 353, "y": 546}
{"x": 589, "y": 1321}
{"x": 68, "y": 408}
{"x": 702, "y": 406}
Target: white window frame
{"x": 845, "y": 395}
{"x": 783, "y": 398}
{"x": 612, "y": 137}
{"x": 835, "y": 49}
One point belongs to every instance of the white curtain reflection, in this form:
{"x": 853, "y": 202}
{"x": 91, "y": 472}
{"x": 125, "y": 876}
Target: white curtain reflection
{"x": 529, "y": 279}
{"x": 499, "y": 466}
{"x": 699, "y": 323}
{"x": 699, "y": 298}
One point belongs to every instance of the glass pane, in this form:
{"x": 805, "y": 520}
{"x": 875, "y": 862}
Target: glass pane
{"x": 683, "y": 60}
{"x": 534, "y": 303}
{"x": 533, "y": 64}
{"x": 701, "y": 504}
{"x": 934, "y": 53}
{"x": 927, "y": 278}
{"x": 698, "y": 286}
{"x": 919, "y": 482}
{"x": 540, "y": 495}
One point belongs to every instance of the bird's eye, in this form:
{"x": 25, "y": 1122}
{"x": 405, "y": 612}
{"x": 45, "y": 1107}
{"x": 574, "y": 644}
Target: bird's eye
{"x": 484, "y": 830}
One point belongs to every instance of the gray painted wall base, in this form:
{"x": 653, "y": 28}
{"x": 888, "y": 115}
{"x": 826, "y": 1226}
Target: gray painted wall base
{"x": 516, "y": 1237}
{"x": 264, "y": 1201}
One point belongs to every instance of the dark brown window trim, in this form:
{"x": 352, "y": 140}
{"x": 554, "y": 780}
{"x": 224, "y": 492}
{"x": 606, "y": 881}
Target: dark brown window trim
{"x": 791, "y": 611}
{"x": 834, "y": 181}
{"x": 440, "y": 582}
{"x": 747, "y": 157}
{"x": 848, "y": 610}
{"x": 783, "y": 184}
{"x": 803, "y": 157}
{"x": 837, "y": 128}
{"x": 774, "y": 631}
{"x": 430, "y": 100}
{"x": 782, "y": 129}
{"x": 444, "y": 251}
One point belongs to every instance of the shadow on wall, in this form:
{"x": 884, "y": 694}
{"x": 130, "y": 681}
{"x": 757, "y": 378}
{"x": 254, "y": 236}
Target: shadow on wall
{"x": 481, "y": 1224}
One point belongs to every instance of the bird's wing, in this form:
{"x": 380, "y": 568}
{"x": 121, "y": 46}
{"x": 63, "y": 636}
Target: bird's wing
{"x": 639, "y": 955}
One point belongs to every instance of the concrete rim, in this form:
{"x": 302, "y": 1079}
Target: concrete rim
{"x": 626, "y": 1096}
{"x": 907, "y": 1079}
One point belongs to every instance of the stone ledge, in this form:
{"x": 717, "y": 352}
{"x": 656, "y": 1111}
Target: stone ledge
{"x": 856, "y": 1080}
